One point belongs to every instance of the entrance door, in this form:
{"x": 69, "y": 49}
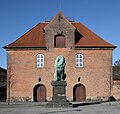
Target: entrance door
{"x": 79, "y": 93}
{"x": 39, "y": 93}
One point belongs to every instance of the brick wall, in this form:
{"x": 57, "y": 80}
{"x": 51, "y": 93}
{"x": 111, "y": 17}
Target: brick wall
{"x": 95, "y": 75}
{"x": 116, "y": 89}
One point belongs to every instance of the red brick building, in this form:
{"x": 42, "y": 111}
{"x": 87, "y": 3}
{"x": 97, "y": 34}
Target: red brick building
{"x": 31, "y": 61}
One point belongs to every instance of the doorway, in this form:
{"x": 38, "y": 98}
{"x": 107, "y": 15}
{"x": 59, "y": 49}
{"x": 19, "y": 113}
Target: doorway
{"x": 79, "y": 93}
{"x": 59, "y": 41}
{"x": 39, "y": 93}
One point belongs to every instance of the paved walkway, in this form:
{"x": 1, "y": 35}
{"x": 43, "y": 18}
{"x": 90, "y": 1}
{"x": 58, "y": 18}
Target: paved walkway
{"x": 35, "y": 108}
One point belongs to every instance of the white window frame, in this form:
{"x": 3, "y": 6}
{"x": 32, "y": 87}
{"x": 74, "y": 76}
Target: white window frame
{"x": 40, "y": 61}
{"x": 79, "y": 61}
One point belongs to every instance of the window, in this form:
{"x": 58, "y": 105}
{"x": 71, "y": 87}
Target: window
{"x": 39, "y": 79}
{"x": 40, "y": 60}
{"x": 79, "y": 79}
{"x": 79, "y": 60}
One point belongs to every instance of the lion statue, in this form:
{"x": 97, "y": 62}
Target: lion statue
{"x": 59, "y": 68}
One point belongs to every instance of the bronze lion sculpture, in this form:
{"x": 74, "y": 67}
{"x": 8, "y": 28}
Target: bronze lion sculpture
{"x": 59, "y": 68}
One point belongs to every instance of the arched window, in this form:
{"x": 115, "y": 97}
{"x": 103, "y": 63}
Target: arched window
{"x": 40, "y": 61}
{"x": 79, "y": 60}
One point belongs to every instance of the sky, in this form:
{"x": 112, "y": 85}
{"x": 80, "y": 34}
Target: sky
{"x": 19, "y": 16}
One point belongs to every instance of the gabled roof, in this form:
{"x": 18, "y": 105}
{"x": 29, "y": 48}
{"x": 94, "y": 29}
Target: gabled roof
{"x": 58, "y": 17}
{"x": 83, "y": 38}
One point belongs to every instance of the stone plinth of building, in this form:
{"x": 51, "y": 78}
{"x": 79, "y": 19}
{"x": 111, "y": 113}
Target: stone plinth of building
{"x": 59, "y": 95}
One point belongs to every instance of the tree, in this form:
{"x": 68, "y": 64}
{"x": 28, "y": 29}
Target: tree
{"x": 116, "y": 70}
{"x": 117, "y": 63}
{"x": 10, "y": 81}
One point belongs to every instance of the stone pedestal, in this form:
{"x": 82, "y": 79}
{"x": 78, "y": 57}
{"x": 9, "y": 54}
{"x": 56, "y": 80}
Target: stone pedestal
{"x": 59, "y": 94}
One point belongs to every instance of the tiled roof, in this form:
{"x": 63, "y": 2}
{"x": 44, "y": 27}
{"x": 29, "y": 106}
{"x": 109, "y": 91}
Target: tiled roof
{"x": 83, "y": 38}
{"x": 86, "y": 38}
{"x": 33, "y": 38}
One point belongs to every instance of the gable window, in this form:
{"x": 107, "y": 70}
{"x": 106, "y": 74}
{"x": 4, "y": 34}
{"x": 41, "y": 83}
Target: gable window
{"x": 78, "y": 60}
{"x": 40, "y": 60}
{"x": 59, "y": 41}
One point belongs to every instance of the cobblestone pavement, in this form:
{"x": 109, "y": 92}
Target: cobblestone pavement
{"x": 35, "y": 108}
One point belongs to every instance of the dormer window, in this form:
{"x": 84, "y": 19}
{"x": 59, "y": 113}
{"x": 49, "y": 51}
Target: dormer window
{"x": 59, "y": 41}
